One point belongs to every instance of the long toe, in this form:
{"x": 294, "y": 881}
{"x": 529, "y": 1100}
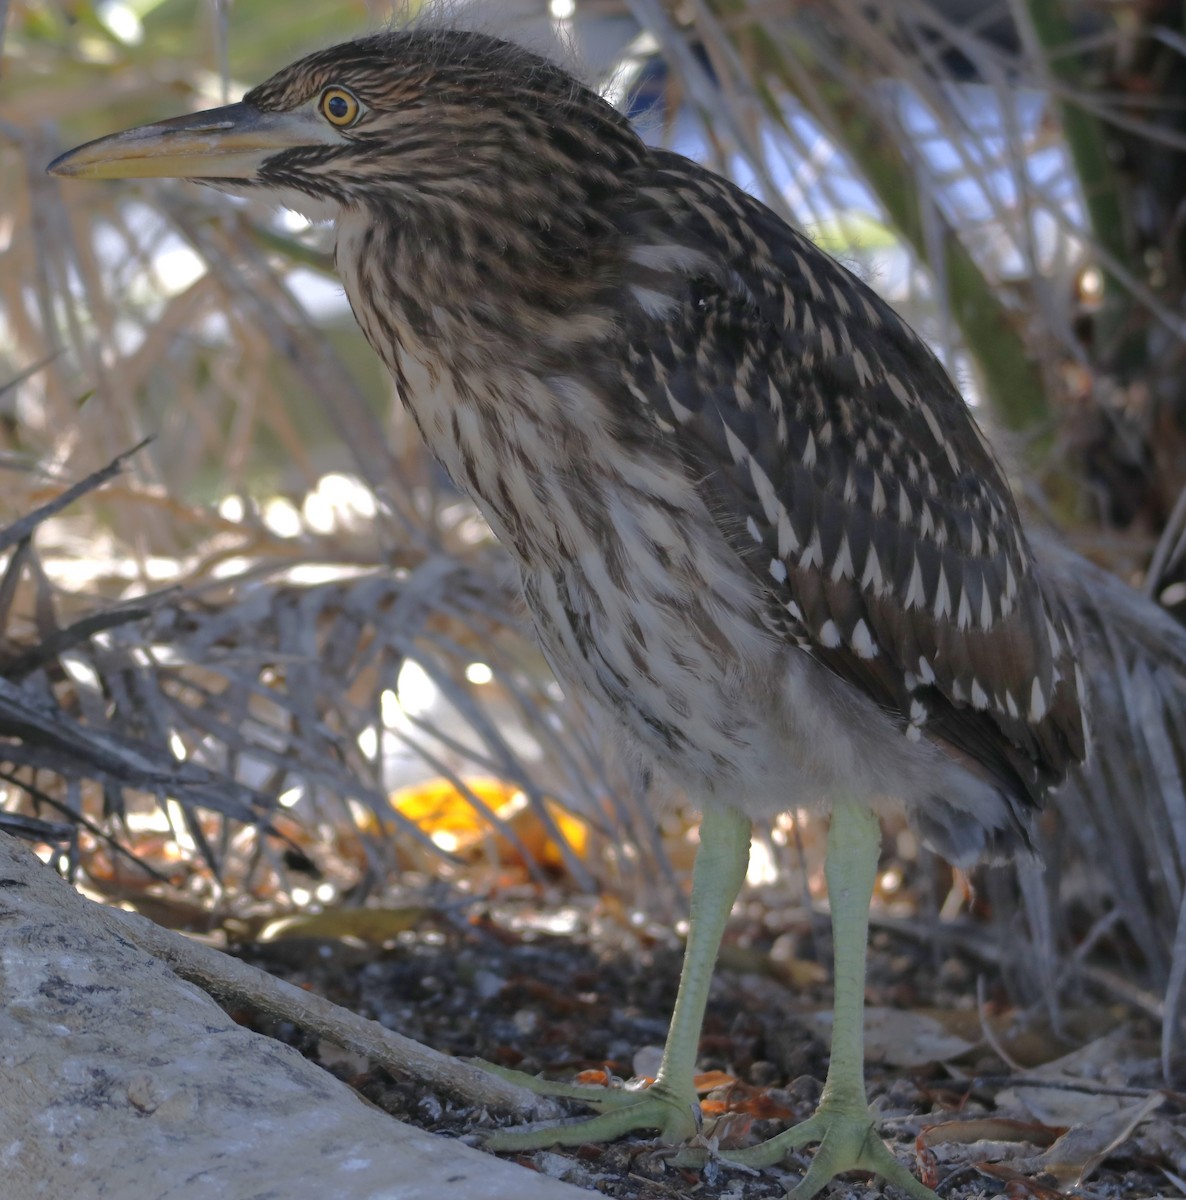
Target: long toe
{"x": 847, "y": 1142}
{"x": 674, "y": 1117}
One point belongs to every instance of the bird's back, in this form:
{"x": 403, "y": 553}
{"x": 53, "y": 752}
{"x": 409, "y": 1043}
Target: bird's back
{"x": 846, "y": 471}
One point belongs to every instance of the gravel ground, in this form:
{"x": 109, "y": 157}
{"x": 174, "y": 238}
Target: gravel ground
{"x": 555, "y": 985}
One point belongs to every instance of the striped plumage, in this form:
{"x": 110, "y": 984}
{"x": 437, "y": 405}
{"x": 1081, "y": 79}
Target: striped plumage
{"x": 721, "y": 461}
{"x": 755, "y": 522}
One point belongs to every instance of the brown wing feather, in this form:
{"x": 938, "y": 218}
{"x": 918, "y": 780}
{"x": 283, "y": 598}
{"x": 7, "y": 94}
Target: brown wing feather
{"x": 846, "y": 471}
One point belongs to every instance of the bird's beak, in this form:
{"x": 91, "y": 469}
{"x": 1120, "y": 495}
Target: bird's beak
{"x": 220, "y": 143}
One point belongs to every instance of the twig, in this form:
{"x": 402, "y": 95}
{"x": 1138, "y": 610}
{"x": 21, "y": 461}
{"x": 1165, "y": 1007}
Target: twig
{"x": 986, "y": 1029}
{"x": 62, "y": 640}
{"x": 21, "y": 529}
{"x": 1126, "y": 989}
{"x": 1066, "y": 1085}
{"x": 1169, "y": 547}
{"x": 227, "y": 978}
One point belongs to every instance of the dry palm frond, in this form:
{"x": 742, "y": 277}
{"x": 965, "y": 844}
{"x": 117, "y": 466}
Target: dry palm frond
{"x": 274, "y": 670}
{"x": 1118, "y": 842}
{"x": 44, "y": 731}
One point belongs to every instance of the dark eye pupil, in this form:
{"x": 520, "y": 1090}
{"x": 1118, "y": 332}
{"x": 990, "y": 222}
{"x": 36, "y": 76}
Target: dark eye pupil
{"x": 338, "y": 106}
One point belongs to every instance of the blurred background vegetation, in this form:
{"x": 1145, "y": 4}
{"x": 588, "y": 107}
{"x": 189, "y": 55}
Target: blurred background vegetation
{"x": 275, "y": 661}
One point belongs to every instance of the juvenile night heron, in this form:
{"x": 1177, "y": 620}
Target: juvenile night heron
{"x": 755, "y": 523}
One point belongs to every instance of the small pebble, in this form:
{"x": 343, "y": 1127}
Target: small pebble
{"x": 526, "y": 1021}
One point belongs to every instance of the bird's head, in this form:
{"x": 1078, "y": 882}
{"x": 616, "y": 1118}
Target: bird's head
{"x": 398, "y": 121}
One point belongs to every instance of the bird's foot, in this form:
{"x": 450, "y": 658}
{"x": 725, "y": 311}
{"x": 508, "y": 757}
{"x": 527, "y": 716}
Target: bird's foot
{"x": 847, "y": 1141}
{"x": 620, "y": 1111}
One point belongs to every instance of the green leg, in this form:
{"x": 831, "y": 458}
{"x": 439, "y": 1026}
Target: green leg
{"x": 669, "y": 1104}
{"x": 841, "y": 1124}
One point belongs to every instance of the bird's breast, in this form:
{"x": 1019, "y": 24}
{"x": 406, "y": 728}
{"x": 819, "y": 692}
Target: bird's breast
{"x": 639, "y": 604}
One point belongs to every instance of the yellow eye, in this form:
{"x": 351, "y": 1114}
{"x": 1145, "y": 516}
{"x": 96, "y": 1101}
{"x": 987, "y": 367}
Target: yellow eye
{"x": 339, "y": 107}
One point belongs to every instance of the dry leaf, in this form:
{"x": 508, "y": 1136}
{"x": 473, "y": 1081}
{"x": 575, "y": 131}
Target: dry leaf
{"x": 706, "y": 1081}
{"x": 1075, "y": 1156}
{"x": 1090, "y": 1065}
{"x": 371, "y": 925}
{"x": 985, "y": 1129}
{"x": 899, "y": 1038}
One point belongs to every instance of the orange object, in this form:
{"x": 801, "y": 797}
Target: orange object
{"x": 446, "y": 814}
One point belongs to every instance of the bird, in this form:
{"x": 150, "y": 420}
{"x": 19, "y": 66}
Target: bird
{"x": 756, "y": 525}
